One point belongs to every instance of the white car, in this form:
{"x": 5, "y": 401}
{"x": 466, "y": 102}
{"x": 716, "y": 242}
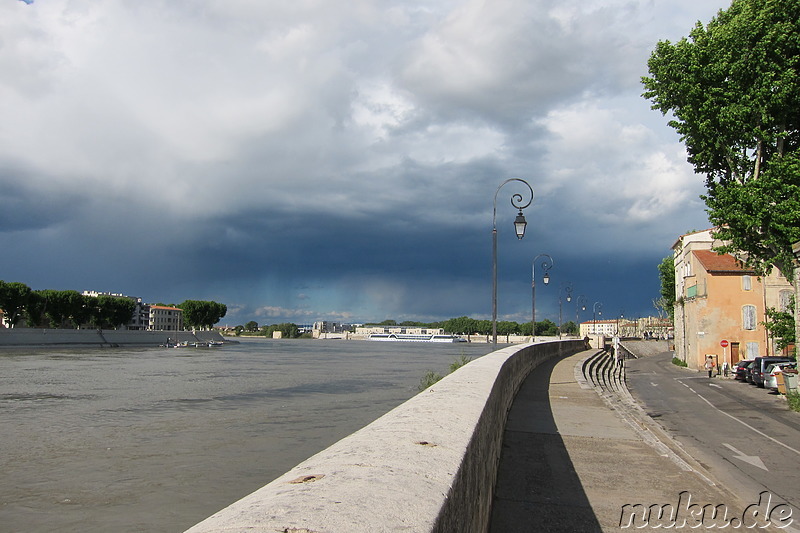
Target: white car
{"x": 771, "y": 374}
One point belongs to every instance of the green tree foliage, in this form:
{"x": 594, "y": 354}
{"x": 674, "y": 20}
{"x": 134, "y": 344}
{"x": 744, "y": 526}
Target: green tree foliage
{"x": 288, "y": 330}
{"x": 733, "y": 88}
{"x": 569, "y": 328}
{"x": 202, "y": 314}
{"x": 461, "y": 326}
{"x": 107, "y": 312}
{"x": 251, "y": 326}
{"x": 780, "y": 325}
{"x": 666, "y": 273}
{"x": 14, "y": 298}
{"x": 546, "y": 328}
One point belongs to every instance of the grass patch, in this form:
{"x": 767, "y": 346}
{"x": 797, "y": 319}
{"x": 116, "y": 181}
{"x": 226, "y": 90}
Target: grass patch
{"x": 432, "y": 377}
{"x": 793, "y": 399}
{"x": 679, "y": 362}
{"x": 428, "y": 379}
{"x": 458, "y": 363}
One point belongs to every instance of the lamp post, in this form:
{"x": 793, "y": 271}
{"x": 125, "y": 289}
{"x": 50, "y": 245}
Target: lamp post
{"x": 580, "y": 305}
{"x": 568, "y": 290}
{"x": 519, "y": 229}
{"x": 595, "y": 313}
{"x": 547, "y": 264}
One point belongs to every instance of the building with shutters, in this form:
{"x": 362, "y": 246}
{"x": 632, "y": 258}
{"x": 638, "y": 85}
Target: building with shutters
{"x": 718, "y": 299}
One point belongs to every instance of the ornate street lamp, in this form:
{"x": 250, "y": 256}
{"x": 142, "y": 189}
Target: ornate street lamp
{"x": 595, "y": 313}
{"x": 519, "y": 229}
{"x": 547, "y": 264}
{"x": 580, "y": 305}
{"x": 568, "y": 290}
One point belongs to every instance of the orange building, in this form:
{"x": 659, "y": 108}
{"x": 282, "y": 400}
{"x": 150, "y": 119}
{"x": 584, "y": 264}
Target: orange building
{"x": 719, "y": 309}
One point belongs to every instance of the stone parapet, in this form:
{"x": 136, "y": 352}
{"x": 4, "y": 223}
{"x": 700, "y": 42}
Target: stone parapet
{"x": 429, "y": 465}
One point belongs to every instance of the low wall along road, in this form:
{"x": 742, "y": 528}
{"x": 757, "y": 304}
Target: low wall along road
{"x": 429, "y": 465}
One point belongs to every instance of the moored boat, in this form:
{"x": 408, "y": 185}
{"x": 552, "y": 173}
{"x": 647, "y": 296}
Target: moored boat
{"x": 412, "y": 337}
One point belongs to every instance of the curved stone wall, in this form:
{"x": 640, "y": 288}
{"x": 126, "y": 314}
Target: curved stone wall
{"x": 429, "y": 465}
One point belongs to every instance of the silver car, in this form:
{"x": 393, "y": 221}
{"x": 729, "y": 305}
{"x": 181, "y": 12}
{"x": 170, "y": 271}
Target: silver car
{"x": 771, "y": 374}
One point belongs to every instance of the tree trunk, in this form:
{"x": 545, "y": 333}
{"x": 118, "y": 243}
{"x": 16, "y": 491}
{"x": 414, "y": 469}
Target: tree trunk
{"x": 796, "y": 251}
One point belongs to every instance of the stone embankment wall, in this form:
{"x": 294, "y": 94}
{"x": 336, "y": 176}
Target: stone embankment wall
{"x": 32, "y": 337}
{"x": 429, "y": 465}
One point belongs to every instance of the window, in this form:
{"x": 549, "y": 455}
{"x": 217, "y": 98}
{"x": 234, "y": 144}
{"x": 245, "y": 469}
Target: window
{"x": 749, "y": 317}
{"x": 785, "y": 299}
{"x": 752, "y": 350}
{"x": 747, "y": 283}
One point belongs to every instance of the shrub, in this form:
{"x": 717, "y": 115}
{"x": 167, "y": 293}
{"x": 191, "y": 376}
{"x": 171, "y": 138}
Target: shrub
{"x": 428, "y": 379}
{"x": 679, "y": 362}
{"x": 794, "y": 401}
{"x": 458, "y": 363}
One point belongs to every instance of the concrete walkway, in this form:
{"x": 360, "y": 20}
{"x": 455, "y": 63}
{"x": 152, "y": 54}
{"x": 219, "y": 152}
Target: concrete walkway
{"x": 571, "y": 461}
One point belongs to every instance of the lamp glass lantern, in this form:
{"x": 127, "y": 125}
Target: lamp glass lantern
{"x": 519, "y": 225}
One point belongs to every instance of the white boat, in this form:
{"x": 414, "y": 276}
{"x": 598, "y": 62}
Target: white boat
{"x": 412, "y": 337}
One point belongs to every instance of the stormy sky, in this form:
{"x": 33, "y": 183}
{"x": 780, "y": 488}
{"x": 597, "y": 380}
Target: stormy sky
{"x": 319, "y": 160}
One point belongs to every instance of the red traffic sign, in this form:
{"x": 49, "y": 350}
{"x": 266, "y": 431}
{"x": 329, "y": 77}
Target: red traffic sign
{"x": 723, "y": 343}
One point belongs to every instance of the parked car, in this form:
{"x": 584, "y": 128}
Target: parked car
{"x": 748, "y": 372}
{"x": 760, "y": 365}
{"x": 740, "y": 370}
{"x": 771, "y": 374}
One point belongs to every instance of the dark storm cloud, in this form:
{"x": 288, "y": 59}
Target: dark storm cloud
{"x": 300, "y": 162}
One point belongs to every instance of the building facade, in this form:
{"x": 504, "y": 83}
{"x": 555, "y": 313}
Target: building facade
{"x": 720, "y": 304}
{"x": 164, "y": 318}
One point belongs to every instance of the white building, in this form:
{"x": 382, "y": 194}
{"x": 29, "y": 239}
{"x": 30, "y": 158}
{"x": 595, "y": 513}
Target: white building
{"x": 607, "y": 328}
{"x": 164, "y": 318}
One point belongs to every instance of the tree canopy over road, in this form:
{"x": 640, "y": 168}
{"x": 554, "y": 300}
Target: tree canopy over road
{"x": 733, "y": 88}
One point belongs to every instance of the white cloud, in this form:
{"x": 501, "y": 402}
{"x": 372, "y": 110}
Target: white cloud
{"x": 226, "y": 120}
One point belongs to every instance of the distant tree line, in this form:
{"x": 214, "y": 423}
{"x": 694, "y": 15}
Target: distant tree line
{"x": 70, "y": 309}
{"x": 288, "y": 330}
{"x": 469, "y": 326}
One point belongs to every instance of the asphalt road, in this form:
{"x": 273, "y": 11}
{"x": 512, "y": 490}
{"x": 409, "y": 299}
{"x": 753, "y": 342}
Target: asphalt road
{"x": 743, "y": 436}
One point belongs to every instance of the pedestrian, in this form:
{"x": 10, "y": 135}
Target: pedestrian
{"x": 709, "y": 365}
{"x": 725, "y": 368}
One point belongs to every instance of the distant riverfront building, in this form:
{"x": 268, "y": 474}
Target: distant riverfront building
{"x": 164, "y": 318}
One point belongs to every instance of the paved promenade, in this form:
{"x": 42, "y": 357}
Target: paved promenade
{"x": 572, "y": 459}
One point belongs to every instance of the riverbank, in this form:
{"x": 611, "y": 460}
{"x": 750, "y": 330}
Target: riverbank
{"x": 85, "y": 338}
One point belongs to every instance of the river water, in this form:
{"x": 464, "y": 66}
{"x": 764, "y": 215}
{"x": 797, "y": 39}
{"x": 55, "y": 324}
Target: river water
{"x": 156, "y": 440}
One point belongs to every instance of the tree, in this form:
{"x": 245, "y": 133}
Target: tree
{"x": 109, "y": 311}
{"x": 666, "y": 273}
{"x": 734, "y": 91}
{"x": 14, "y": 298}
{"x": 201, "y": 313}
{"x": 505, "y": 327}
{"x": 780, "y": 325}
{"x": 569, "y": 328}
{"x": 251, "y": 326}
{"x": 546, "y": 328}
{"x": 288, "y": 330}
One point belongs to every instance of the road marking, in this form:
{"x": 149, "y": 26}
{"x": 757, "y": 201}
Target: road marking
{"x": 745, "y": 424}
{"x": 654, "y": 384}
{"x": 750, "y": 459}
{"x": 715, "y": 385}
